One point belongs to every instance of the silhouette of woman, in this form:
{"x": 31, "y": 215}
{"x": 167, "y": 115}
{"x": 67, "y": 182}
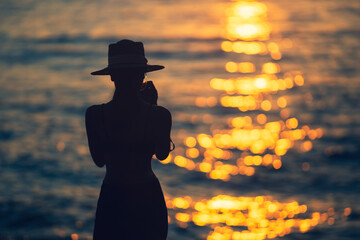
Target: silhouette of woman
{"x": 124, "y": 134}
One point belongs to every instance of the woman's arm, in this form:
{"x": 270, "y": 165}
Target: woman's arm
{"x": 96, "y": 146}
{"x": 163, "y": 122}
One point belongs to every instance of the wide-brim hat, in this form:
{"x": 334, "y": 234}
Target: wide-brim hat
{"x": 127, "y": 55}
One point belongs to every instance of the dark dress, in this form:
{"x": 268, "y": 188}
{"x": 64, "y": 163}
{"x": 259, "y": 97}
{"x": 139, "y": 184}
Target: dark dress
{"x": 131, "y": 204}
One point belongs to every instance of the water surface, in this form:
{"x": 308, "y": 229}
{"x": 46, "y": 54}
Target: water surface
{"x": 239, "y": 77}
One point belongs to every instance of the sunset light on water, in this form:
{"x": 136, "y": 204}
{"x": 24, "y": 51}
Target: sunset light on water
{"x": 262, "y": 217}
{"x": 255, "y": 139}
{"x": 264, "y": 98}
{"x": 251, "y": 140}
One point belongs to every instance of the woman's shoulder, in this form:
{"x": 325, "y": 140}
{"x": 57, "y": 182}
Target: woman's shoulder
{"x": 93, "y": 111}
{"x": 161, "y": 112}
{"x": 94, "y": 108}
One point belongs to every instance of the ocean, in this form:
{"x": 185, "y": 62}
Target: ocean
{"x": 264, "y": 97}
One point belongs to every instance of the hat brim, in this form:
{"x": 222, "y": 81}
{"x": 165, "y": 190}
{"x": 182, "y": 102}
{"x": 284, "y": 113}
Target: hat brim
{"x": 146, "y": 68}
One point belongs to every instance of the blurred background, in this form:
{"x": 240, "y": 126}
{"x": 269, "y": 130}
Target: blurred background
{"x": 265, "y": 103}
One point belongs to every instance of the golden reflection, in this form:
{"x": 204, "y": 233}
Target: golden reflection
{"x": 190, "y": 142}
{"x": 258, "y": 217}
{"x": 243, "y": 67}
{"x": 347, "y": 211}
{"x": 205, "y": 102}
{"x": 270, "y": 68}
{"x": 60, "y": 146}
{"x": 74, "y": 236}
{"x": 281, "y": 102}
{"x": 264, "y": 83}
{"x": 248, "y": 143}
{"x": 276, "y": 55}
{"x": 260, "y": 139}
{"x": 299, "y": 80}
{"x": 250, "y": 48}
{"x": 231, "y": 67}
{"x": 246, "y": 20}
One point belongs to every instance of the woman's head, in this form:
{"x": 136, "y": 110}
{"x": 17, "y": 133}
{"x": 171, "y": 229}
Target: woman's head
{"x": 128, "y": 79}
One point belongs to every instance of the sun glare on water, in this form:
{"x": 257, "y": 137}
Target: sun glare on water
{"x": 251, "y": 140}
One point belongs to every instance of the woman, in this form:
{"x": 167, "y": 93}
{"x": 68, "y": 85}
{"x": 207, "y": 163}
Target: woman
{"x": 123, "y": 135}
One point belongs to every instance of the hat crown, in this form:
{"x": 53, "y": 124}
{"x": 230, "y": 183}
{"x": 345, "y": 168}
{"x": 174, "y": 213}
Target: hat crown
{"x": 126, "y": 47}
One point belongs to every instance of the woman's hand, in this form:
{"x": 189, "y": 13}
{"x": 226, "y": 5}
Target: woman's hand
{"x": 149, "y": 93}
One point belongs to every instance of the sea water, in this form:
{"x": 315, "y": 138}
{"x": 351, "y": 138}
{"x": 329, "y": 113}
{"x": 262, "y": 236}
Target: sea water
{"x": 264, "y": 97}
